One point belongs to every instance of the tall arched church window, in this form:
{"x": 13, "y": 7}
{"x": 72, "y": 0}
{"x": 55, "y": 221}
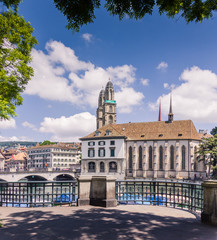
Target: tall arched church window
{"x": 150, "y": 157}
{"x": 110, "y": 108}
{"x": 183, "y": 157}
{"x": 172, "y": 158}
{"x": 140, "y": 157}
{"x": 130, "y": 159}
{"x": 110, "y": 119}
{"x": 161, "y": 158}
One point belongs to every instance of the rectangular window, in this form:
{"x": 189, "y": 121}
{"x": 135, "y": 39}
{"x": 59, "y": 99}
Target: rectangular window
{"x": 112, "y": 142}
{"x": 91, "y": 152}
{"x": 91, "y": 143}
{"x": 101, "y": 152}
{"x": 101, "y": 143}
{"x": 112, "y": 152}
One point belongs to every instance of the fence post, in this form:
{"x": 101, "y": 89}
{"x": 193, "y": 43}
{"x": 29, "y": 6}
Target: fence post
{"x": 209, "y": 214}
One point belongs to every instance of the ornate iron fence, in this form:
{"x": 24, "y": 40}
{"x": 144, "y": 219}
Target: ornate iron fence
{"x": 164, "y": 193}
{"x": 38, "y": 193}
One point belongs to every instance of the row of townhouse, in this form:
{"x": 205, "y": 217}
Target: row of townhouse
{"x": 51, "y": 157}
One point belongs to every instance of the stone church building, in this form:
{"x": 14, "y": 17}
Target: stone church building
{"x": 161, "y": 149}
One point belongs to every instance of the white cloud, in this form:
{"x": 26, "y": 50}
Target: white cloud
{"x": 29, "y": 125}
{"x": 60, "y": 75}
{"x": 6, "y": 124}
{"x": 127, "y": 98}
{"x": 162, "y": 66}
{"x": 196, "y": 97}
{"x": 144, "y": 81}
{"x": 170, "y": 87}
{"x": 87, "y": 37}
{"x": 69, "y": 128}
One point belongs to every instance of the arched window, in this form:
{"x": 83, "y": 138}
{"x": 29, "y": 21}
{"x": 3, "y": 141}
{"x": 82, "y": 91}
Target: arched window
{"x": 110, "y": 108}
{"x": 110, "y": 119}
{"x": 183, "y": 157}
{"x": 130, "y": 159}
{"x": 172, "y": 158}
{"x": 91, "y": 167}
{"x": 112, "y": 167}
{"x": 150, "y": 157}
{"x": 111, "y": 95}
{"x": 102, "y": 167}
{"x": 140, "y": 157}
{"x": 160, "y": 158}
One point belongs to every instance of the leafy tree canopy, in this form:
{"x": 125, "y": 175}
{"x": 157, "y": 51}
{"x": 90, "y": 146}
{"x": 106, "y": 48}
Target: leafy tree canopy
{"x": 214, "y": 131}
{"x": 208, "y": 149}
{"x": 81, "y": 12}
{"x": 16, "y": 42}
{"x": 47, "y": 142}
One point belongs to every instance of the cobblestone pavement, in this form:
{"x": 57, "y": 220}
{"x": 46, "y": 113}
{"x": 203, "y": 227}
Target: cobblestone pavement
{"x": 122, "y": 222}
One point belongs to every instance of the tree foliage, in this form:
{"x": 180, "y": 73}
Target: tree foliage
{"x": 81, "y": 12}
{"x": 214, "y": 131}
{"x": 16, "y": 42}
{"x": 208, "y": 150}
{"x": 47, "y": 142}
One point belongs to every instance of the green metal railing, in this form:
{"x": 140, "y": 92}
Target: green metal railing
{"x": 162, "y": 193}
{"x": 38, "y": 193}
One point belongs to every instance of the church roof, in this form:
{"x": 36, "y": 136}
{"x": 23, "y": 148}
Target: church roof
{"x": 183, "y": 129}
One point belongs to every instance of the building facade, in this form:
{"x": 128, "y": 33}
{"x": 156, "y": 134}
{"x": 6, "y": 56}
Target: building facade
{"x": 17, "y": 162}
{"x": 162, "y": 149}
{"x": 57, "y": 156}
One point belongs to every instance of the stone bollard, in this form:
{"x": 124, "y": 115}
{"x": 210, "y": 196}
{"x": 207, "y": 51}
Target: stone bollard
{"x": 84, "y": 184}
{"x": 103, "y": 191}
{"x": 209, "y": 214}
{"x": 97, "y": 191}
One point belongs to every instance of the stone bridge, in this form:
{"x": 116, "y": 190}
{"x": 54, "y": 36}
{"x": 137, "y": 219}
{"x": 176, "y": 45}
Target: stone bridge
{"x": 39, "y": 175}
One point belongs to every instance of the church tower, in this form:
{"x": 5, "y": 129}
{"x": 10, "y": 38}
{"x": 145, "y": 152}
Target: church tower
{"x": 99, "y": 111}
{"x": 106, "y": 111}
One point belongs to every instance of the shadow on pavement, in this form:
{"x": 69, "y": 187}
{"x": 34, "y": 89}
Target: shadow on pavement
{"x": 100, "y": 223}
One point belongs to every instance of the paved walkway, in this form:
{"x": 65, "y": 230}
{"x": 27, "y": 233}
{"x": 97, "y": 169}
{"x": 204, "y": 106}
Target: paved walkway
{"x": 123, "y": 222}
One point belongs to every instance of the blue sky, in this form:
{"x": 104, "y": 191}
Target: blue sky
{"x": 144, "y": 59}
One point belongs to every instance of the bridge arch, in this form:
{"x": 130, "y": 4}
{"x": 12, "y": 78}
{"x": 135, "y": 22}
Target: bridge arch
{"x": 2, "y": 180}
{"x": 64, "y": 177}
{"x": 33, "y": 178}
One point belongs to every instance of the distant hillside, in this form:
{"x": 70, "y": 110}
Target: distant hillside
{"x": 15, "y": 143}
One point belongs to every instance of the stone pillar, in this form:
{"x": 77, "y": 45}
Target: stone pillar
{"x": 97, "y": 191}
{"x": 84, "y": 184}
{"x": 103, "y": 191}
{"x": 209, "y": 214}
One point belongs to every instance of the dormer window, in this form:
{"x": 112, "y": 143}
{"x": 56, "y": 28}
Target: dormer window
{"x": 97, "y": 133}
{"x": 108, "y": 133}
